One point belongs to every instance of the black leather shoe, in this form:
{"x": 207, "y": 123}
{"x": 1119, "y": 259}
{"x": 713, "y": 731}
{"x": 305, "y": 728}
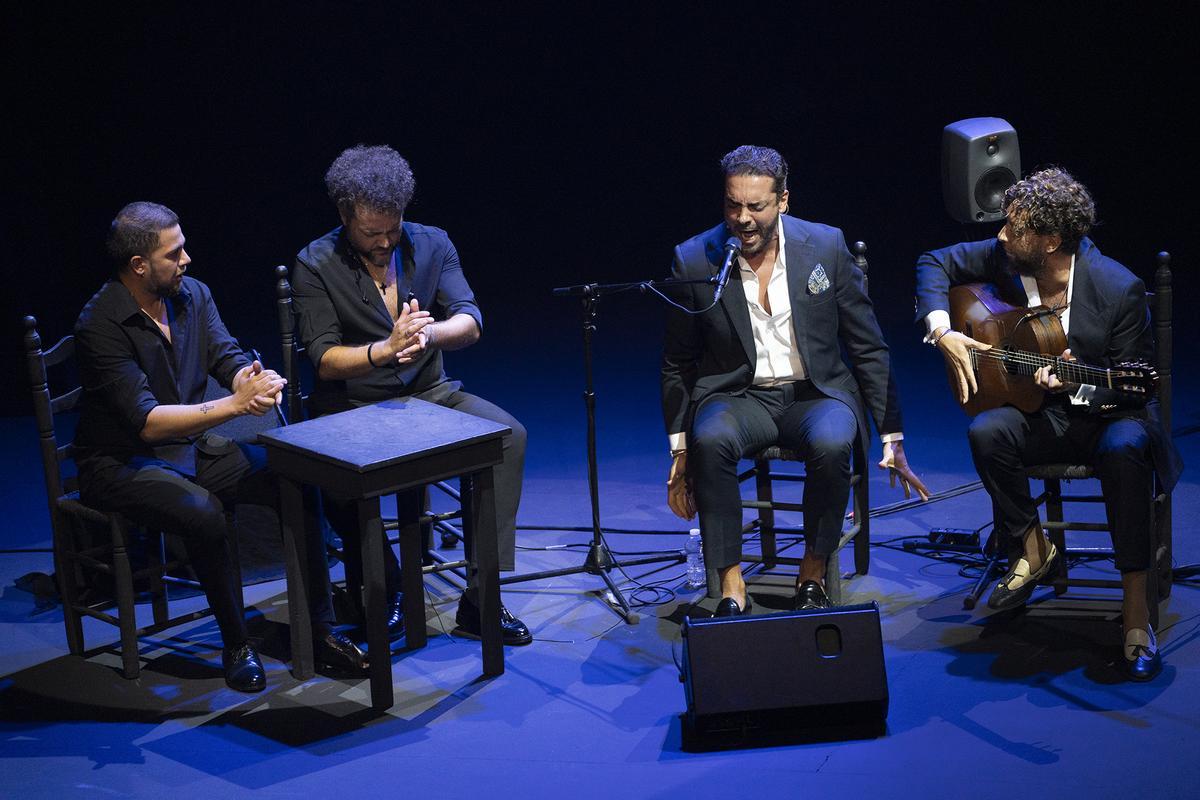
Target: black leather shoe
{"x": 811, "y": 595}
{"x": 515, "y": 631}
{"x": 243, "y": 671}
{"x": 335, "y": 651}
{"x": 728, "y": 607}
{"x": 395, "y": 619}
{"x": 1006, "y": 595}
{"x": 1146, "y": 661}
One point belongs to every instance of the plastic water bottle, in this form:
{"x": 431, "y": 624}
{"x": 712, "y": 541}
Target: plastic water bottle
{"x": 695, "y": 559}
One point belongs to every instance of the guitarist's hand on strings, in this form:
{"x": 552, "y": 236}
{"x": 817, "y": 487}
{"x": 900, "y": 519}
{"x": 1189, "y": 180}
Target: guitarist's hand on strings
{"x": 957, "y": 347}
{"x": 896, "y": 463}
{"x": 1046, "y": 378}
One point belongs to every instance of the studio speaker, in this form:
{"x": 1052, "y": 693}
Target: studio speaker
{"x": 771, "y": 675}
{"x": 980, "y": 159}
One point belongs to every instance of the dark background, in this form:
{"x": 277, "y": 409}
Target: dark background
{"x": 564, "y": 143}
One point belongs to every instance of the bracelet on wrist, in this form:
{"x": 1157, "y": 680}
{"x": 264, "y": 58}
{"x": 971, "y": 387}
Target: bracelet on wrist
{"x": 681, "y": 451}
{"x": 369, "y": 360}
{"x": 937, "y": 337}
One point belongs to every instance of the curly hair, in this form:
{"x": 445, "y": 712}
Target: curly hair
{"x": 751, "y": 160}
{"x": 1051, "y": 202}
{"x": 134, "y": 231}
{"x": 375, "y": 177}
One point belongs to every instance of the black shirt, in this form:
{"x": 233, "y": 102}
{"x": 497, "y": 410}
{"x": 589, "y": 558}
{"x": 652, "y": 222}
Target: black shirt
{"x": 127, "y": 367}
{"x": 337, "y": 303}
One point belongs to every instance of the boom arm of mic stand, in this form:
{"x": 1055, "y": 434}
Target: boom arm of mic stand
{"x": 599, "y": 289}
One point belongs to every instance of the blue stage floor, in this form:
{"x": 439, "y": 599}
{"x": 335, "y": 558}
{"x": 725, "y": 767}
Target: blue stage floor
{"x": 980, "y": 707}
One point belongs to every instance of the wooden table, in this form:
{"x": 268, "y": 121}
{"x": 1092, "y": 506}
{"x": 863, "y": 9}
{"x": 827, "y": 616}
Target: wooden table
{"x": 393, "y": 447}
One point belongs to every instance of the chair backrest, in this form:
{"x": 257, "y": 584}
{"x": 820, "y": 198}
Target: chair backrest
{"x": 56, "y": 460}
{"x": 1161, "y": 311}
{"x": 292, "y": 349}
{"x": 859, "y": 250}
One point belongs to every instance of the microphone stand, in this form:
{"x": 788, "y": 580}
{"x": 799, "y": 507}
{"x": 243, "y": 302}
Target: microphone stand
{"x": 599, "y": 559}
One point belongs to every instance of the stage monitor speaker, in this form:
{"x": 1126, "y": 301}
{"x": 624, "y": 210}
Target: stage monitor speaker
{"x": 775, "y": 675}
{"x": 980, "y": 159}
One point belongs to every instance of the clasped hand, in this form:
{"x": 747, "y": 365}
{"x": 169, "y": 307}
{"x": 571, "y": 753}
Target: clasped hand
{"x": 409, "y": 337}
{"x": 257, "y": 390}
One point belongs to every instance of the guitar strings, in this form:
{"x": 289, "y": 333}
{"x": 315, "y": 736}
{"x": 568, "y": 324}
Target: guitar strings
{"x": 1067, "y": 370}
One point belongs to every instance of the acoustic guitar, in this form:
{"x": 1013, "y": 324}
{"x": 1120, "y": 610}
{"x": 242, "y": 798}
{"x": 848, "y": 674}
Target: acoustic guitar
{"x": 1023, "y": 340}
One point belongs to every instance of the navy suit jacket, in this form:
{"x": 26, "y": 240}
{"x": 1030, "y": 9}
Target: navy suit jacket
{"x": 714, "y": 352}
{"x": 1110, "y": 320}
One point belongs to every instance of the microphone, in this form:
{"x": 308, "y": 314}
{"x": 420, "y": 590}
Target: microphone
{"x": 733, "y": 246}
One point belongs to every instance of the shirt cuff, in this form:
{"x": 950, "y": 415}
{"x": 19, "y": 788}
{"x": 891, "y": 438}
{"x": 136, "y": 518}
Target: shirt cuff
{"x": 933, "y": 320}
{"x": 892, "y": 437}
{"x": 1083, "y": 395}
{"x": 678, "y": 441}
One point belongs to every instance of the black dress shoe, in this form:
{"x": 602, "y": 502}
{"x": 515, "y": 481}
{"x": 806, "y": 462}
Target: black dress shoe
{"x": 1146, "y": 661}
{"x": 335, "y": 651}
{"x": 811, "y": 595}
{"x": 728, "y": 607}
{"x": 243, "y": 670}
{"x": 1017, "y": 585}
{"x": 395, "y": 619}
{"x": 515, "y": 631}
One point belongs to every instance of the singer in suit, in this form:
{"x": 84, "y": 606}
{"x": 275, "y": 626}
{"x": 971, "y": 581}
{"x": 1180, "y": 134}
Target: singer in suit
{"x": 763, "y": 365}
{"x": 1042, "y": 256}
{"x": 378, "y": 299}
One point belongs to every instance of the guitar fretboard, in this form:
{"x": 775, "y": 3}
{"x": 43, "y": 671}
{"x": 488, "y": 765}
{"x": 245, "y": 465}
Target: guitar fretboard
{"x": 1026, "y": 363}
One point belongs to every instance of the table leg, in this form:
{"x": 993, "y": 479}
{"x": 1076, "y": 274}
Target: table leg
{"x": 409, "y": 505}
{"x": 479, "y": 521}
{"x": 375, "y": 602}
{"x": 295, "y": 556}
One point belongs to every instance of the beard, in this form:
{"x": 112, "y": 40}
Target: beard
{"x": 1029, "y": 266}
{"x": 376, "y": 257}
{"x": 169, "y": 289}
{"x": 766, "y": 235}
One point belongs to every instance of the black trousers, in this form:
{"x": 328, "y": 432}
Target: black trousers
{"x": 728, "y": 428}
{"x": 1005, "y": 440}
{"x": 158, "y": 496}
{"x": 508, "y": 477}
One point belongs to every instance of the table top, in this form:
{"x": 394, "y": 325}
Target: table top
{"x": 384, "y": 434}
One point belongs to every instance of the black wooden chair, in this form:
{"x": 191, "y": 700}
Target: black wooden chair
{"x": 87, "y": 542}
{"x": 765, "y": 503}
{"x": 1052, "y": 476}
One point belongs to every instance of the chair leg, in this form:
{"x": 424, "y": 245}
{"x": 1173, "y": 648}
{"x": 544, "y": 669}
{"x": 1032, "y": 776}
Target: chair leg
{"x": 766, "y": 516}
{"x": 1054, "y": 513}
{"x": 155, "y": 553}
{"x": 65, "y": 571}
{"x": 833, "y": 578}
{"x": 862, "y": 518}
{"x": 126, "y": 614}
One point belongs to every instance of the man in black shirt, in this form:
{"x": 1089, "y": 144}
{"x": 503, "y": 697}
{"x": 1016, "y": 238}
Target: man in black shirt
{"x": 146, "y": 343}
{"x": 364, "y": 293}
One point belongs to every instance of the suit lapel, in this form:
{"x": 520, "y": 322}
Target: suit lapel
{"x": 800, "y": 258}
{"x": 1082, "y": 300}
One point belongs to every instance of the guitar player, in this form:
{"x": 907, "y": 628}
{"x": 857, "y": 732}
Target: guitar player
{"x": 1042, "y": 257}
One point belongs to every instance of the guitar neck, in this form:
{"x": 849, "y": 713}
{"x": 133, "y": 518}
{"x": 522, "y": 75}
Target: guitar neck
{"x": 1026, "y": 363}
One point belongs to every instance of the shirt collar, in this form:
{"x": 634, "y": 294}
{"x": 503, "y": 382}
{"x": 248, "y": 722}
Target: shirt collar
{"x": 126, "y": 307}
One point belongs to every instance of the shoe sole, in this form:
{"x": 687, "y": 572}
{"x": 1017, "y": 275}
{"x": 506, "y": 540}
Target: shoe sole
{"x": 465, "y": 634}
